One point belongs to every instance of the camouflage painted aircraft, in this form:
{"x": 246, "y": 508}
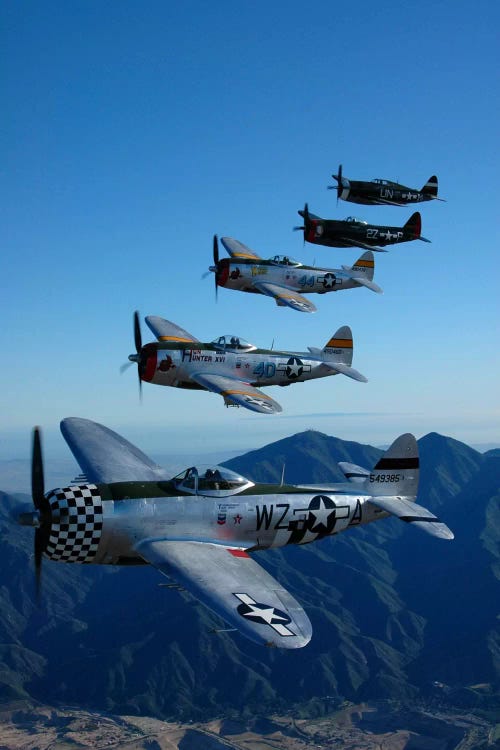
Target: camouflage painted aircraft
{"x": 353, "y": 232}
{"x": 383, "y": 192}
{"x": 232, "y": 367}
{"x": 283, "y": 278}
{"x": 199, "y": 527}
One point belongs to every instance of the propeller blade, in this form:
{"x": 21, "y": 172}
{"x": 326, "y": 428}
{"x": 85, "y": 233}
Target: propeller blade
{"x": 37, "y": 479}
{"x": 216, "y": 264}
{"x": 125, "y": 366}
{"x": 216, "y": 250}
{"x": 137, "y": 333}
{"x": 339, "y": 183}
{"x": 39, "y": 547}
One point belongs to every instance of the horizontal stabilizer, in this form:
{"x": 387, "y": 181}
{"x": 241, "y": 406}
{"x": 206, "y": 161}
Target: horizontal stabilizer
{"x": 346, "y": 370}
{"x": 361, "y": 280}
{"x": 353, "y": 472}
{"x": 410, "y": 512}
{"x": 424, "y": 239}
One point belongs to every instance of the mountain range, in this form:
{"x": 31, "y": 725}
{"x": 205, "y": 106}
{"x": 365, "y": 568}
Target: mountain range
{"x": 395, "y": 613}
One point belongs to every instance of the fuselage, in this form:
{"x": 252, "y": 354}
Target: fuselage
{"x": 243, "y": 274}
{"x": 118, "y": 516}
{"x": 352, "y": 231}
{"x": 172, "y": 364}
{"x": 381, "y": 192}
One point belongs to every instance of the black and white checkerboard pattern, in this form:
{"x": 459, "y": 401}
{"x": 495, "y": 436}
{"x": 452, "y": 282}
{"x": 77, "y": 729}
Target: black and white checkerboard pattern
{"x": 76, "y": 523}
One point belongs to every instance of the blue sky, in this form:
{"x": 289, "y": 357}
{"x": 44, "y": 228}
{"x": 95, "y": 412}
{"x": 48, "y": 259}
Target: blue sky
{"x": 134, "y": 131}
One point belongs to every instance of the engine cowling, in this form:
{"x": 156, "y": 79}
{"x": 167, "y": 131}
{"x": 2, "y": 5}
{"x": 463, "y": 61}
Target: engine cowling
{"x": 76, "y": 520}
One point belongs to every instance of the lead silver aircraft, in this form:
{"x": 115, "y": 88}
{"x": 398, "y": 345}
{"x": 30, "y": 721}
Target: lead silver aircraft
{"x": 232, "y": 367}
{"x": 201, "y": 527}
{"x": 283, "y": 278}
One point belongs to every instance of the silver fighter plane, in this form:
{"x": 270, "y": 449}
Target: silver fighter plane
{"x": 232, "y": 367}
{"x": 200, "y": 527}
{"x": 285, "y": 279}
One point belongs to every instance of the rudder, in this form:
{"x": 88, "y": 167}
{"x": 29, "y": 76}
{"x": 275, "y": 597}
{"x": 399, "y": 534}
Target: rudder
{"x": 397, "y": 471}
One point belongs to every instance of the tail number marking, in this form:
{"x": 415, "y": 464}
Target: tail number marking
{"x": 386, "y": 477}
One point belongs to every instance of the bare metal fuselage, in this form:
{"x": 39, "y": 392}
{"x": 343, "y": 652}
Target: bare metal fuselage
{"x": 170, "y": 365}
{"x": 244, "y": 521}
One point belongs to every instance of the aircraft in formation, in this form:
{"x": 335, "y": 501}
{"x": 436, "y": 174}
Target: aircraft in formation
{"x": 232, "y": 367}
{"x": 283, "y": 278}
{"x": 199, "y": 527}
{"x": 383, "y": 192}
{"x": 353, "y": 232}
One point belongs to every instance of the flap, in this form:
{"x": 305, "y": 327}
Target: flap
{"x": 230, "y": 583}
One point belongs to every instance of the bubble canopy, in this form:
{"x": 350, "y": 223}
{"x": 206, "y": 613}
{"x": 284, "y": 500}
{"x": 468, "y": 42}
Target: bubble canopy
{"x": 285, "y": 260}
{"x": 213, "y": 481}
{"x": 233, "y": 343}
{"x": 355, "y": 220}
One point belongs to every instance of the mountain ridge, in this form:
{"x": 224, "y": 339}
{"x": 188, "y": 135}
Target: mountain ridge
{"x": 383, "y": 600}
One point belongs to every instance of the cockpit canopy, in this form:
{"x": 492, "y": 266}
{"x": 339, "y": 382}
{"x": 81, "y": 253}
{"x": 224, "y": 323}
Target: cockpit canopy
{"x": 383, "y": 182}
{"x": 214, "y": 481}
{"x": 285, "y": 260}
{"x": 233, "y": 343}
{"x": 355, "y": 220}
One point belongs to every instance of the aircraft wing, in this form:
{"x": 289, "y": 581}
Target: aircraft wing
{"x": 235, "y": 587}
{"x": 104, "y": 456}
{"x": 237, "y": 392}
{"x": 358, "y": 243}
{"x": 415, "y": 514}
{"x": 284, "y": 296}
{"x": 237, "y": 249}
{"x": 165, "y": 330}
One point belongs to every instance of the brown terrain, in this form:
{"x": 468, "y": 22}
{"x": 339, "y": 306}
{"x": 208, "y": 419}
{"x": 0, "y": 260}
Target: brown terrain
{"x": 375, "y": 726}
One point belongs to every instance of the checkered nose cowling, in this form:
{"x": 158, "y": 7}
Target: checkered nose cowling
{"x": 75, "y": 523}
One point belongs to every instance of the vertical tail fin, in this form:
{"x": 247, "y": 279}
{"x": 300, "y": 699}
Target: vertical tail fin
{"x": 340, "y": 346}
{"x": 396, "y": 473}
{"x": 431, "y": 186}
{"x": 393, "y": 485}
{"x": 414, "y": 225}
{"x": 365, "y": 265}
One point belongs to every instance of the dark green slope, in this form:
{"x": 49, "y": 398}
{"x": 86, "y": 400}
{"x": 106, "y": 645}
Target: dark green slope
{"x": 386, "y": 602}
